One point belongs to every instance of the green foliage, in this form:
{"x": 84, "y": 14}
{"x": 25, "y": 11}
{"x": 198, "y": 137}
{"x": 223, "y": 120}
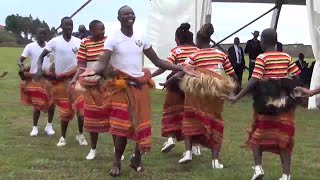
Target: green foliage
{"x": 27, "y": 26}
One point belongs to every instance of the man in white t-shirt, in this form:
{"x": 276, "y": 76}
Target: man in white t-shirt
{"x": 65, "y": 48}
{"x": 36, "y": 93}
{"x": 130, "y": 115}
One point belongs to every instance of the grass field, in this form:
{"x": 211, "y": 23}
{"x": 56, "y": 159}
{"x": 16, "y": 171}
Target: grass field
{"x": 24, "y": 157}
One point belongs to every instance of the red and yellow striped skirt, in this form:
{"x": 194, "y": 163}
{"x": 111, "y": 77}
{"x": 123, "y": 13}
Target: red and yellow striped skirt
{"x": 130, "y": 115}
{"x": 97, "y": 107}
{"x": 172, "y": 115}
{"x": 273, "y": 133}
{"x": 36, "y": 94}
{"x": 203, "y": 120}
{"x": 64, "y": 97}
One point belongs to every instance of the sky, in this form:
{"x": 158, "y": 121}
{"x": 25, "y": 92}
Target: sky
{"x": 227, "y": 17}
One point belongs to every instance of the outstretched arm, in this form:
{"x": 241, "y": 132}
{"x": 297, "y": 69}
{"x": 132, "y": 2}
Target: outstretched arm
{"x": 151, "y": 54}
{"x": 158, "y": 72}
{"x": 103, "y": 62}
{"x": 252, "y": 82}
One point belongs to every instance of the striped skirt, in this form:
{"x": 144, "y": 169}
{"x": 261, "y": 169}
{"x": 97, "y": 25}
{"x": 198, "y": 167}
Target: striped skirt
{"x": 130, "y": 115}
{"x": 36, "y": 94}
{"x": 64, "y": 98}
{"x": 172, "y": 115}
{"x": 97, "y": 114}
{"x": 273, "y": 133}
{"x": 203, "y": 120}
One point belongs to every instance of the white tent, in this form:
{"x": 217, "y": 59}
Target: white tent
{"x": 165, "y": 16}
{"x": 314, "y": 26}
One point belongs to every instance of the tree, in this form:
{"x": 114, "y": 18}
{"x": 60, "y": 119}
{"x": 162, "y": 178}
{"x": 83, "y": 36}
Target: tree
{"x": 27, "y": 26}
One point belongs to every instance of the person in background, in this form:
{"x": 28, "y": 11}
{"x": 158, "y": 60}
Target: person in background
{"x": 253, "y": 48}
{"x": 33, "y": 93}
{"x": 65, "y": 48}
{"x": 273, "y": 126}
{"x": 279, "y": 47}
{"x": 301, "y": 63}
{"x": 236, "y": 57}
{"x": 82, "y": 32}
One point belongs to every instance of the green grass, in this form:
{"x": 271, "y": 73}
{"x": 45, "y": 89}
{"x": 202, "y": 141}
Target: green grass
{"x": 23, "y": 157}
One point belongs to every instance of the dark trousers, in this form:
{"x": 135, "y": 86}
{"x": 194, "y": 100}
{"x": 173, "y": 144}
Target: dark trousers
{"x": 251, "y": 67}
{"x": 239, "y": 73}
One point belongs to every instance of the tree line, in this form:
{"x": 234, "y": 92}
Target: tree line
{"x": 24, "y": 28}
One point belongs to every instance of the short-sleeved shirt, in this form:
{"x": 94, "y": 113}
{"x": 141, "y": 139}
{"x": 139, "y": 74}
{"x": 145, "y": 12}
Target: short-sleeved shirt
{"x": 33, "y": 51}
{"x": 211, "y": 59}
{"x": 127, "y": 52}
{"x": 90, "y": 51}
{"x": 179, "y": 54}
{"x": 275, "y": 65}
{"x": 65, "y": 53}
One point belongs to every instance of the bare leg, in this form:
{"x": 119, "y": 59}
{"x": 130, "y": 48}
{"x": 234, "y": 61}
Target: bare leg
{"x": 286, "y": 161}
{"x": 215, "y": 153}
{"x": 80, "y": 123}
{"x": 94, "y": 140}
{"x": 36, "y": 115}
{"x": 188, "y": 143}
{"x": 257, "y": 155}
{"x": 51, "y": 113}
{"x": 64, "y": 127}
{"x": 120, "y": 145}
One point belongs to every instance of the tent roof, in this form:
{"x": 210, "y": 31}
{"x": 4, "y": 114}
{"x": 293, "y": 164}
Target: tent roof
{"x": 294, "y": 2}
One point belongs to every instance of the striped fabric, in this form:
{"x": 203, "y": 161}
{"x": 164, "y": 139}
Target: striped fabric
{"x": 97, "y": 115}
{"x": 275, "y": 65}
{"x": 96, "y": 118}
{"x": 179, "y": 54}
{"x": 64, "y": 99}
{"x": 211, "y": 59}
{"x": 272, "y": 133}
{"x": 173, "y": 108}
{"x": 203, "y": 120}
{"x": 36, "y": 94}
{"x": 90, "y": 50}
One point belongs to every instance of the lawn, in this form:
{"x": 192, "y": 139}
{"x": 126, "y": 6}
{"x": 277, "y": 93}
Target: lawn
{"x": 25, "y": 157}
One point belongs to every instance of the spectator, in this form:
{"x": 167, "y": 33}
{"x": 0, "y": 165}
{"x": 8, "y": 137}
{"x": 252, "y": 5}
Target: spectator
{"x": 253, "y": 48}
{"x": 236, "y": 57}
{"x": 279, "y": 47}
{"x": 82, "y": 32}
{"x": 301, "y": 63}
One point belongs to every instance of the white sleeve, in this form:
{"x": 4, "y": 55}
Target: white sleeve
{"x": 26, "y": 52}
{"x": 146, "y": 44}
{"x": 109, "y": 44}
{"x": 50, "y": 46}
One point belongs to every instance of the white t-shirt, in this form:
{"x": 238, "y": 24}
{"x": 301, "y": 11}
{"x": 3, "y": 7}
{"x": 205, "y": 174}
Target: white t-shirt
{"x": 127, "y": 52}
{"x": 33, "y": 51}
{"x": 65, "y": 53}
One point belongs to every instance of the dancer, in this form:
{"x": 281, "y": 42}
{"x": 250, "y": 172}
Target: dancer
{"x": 95, "y": 119}
{"x": 173, "y": 107}
{"x": 65, "y": 48}
{"x": 130, "y": 100}
{"x": 33, "y": 93}
{"x": 274, "y": 107}
{"x": 202, "y": 122}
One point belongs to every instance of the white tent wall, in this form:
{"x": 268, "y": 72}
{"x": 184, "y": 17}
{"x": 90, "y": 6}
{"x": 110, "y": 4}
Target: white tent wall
{"x": 165, "y": 17}
{"x": 314, "y": 26}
